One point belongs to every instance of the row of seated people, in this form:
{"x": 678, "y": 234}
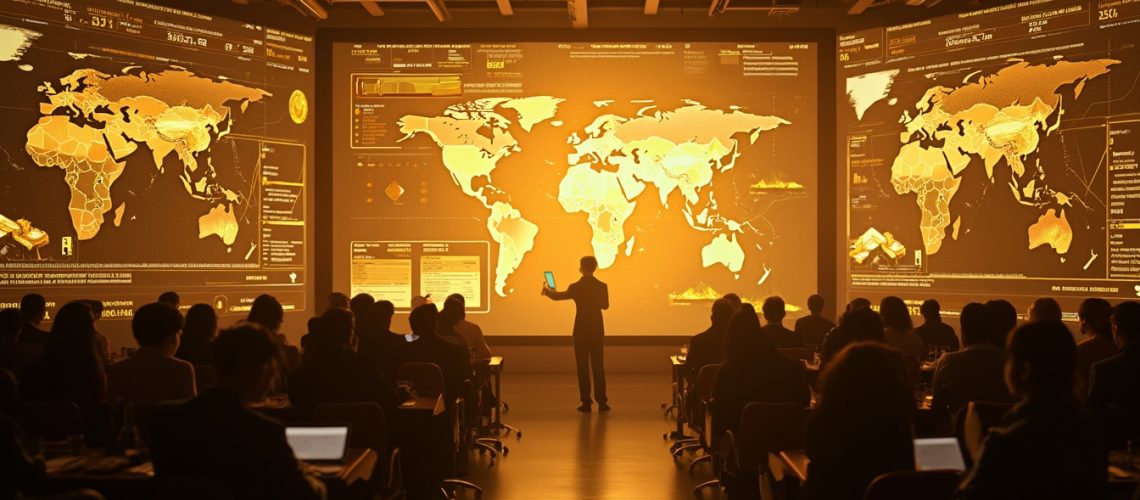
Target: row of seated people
{"x": 1055, "y": 439}
{"x": 215, "y": 432}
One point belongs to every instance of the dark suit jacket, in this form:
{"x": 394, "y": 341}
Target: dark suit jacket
{"x": 938, "y": 334}
{"x": 1114, "y": 392}
{"x": 338, "y": 375}
{"x": 812, "y": 329}
{"x": 847, "y": 454}
{"x": 1049, "y": 449}
{"x": 705, "y": 348}
{"x": 216, "y": 436}
{"x": 33, "y": 334}
{"x": 781, "y": 337}
{"x": 382, "y": 351}
{"x": 590, "y": 298}
{"x": 975, "y": 373}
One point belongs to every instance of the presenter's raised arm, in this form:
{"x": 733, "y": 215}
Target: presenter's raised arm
{"x": 555, "y": 294}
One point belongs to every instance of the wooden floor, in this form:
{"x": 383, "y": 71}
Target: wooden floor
{"x": 564, "y": 454}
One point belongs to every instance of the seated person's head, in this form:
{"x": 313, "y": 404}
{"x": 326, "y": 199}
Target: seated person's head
{"x": 201, "y": 321}
{"x": 1094, "y": 317}
{"x": 457, "y": 297}
{"x": 815, "y": 304}
{"x": 337, "y": 328}
{"x": 867, "y": 381}
{"x": 1045, "y": 309}
{"x": 452, "y": 312}
{"x": 10, "y": 321}
{"x": 774, "y": 309}
{"x": 267, "y": 312}
{"x": 742, "y": 343}
{"x": 895, "y": 314}
{"x": 33, "y": 306}
{"x": 360, "y": 303}
{"x": 171, "y": 298}
{"x": 96, "y": 308}
{"x": 382, "y": 312}
{"x": 861, "y": 325}
{"x": 931, "y": 310}
{"x": 1126, "y": 323}
{"x": 337, "y": 300}
{"x": 1003, "y": 319}
{"x": 422, "y": 320}
{"x": 722, "y": 311}
{"x": 1041, "y": 359}
{"x": 588, "y": 264}
{"x": 859, "y": 303}
{"x": 977, "y": 325}
{"x": 157, "y": 325}
{"x": 247, "y": 359}
{"x": 734, "y": 300}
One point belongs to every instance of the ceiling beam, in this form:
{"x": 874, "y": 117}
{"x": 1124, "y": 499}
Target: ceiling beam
{"x": 372, "y": 7}
{"x": 439, "y": 9}
{"x": 860, "y": 6}
{"x": 651, "y": 7}
{"x": 312, "y": 8}
{"x": 717, "y": 7}
{"x": 505, "y": 7}
{"x": 578, "y": 13}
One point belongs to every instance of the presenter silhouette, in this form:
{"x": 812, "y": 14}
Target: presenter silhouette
{"x": 590, "y": 297}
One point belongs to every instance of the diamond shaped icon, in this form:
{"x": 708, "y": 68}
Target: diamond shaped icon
{"x": 394, "y": 191}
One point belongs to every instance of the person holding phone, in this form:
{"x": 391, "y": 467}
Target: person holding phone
{"x": 590, "y": 297}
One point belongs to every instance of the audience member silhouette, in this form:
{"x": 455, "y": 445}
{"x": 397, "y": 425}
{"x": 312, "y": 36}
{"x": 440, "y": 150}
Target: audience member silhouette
{"x": 1045, "y": 309}
{"x": 858, "y": 304}
{"x": 1094, "y": 319}
{"x": 1004, "y": 319}
{"x": 774, "y": 329}
{"x": 1048, "y": 447}
{"x": 933, "y": 331}
{"x": 69, "y": 368}
{"x": 360, "y": 305}
{"x": 811, "y": 329}
{"x": 974, "y": 373}
{"x": 452, "y": 358}
{"x": 753, "y": 371}
{"x": 15, "y": 356}
{"x": 378, "y": 344}
{"x": 734, "y": 300}
{"x": 707, "y": 348}
{"x": 268, "y": 312}
{"x": 898, "y": 330}
{"x": 858, "y": 324}
{"x": 171, "y": 298}
{"x": 338, "y": 300}
{"x": 198, "y": 332}
{"x": 33, "y": 308}
{"x": 152, "y": 374}
{"x": 470, "y": 332}
{"x": 861, "y": 426}
{"x": 334, "y": 373}
{"x": 1114, "y": 383}
{"x": 217, "y": 435}
{"x": 590, "y": 297}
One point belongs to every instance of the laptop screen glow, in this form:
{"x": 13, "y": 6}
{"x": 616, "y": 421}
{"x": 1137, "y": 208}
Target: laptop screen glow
{"x": 938, "y": 454}
{"x": 317, "y": 443}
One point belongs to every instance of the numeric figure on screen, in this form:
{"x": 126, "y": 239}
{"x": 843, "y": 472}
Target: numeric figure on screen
{"x": 590, "y": 297}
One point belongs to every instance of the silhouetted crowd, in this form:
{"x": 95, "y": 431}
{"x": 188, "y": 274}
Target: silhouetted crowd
{"x": 1065, "y": 404}
{"x": 208, "y": 396}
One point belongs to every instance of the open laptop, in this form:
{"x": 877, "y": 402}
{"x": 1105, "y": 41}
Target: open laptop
{"x": 318, "y": 443}
{"x": 938, "y": 454}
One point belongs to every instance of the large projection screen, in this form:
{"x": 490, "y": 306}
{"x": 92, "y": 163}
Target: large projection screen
{"x": 146, "y": 148}
{"x": 688, "y": 168}
{"x": 992, "y": 154}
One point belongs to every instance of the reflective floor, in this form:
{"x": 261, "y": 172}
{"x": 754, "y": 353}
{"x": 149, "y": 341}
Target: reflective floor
{"x": 565, "y": 454}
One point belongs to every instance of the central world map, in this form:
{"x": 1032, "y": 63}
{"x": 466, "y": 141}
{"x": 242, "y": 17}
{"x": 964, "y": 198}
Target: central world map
{"x": 614, "y": 160}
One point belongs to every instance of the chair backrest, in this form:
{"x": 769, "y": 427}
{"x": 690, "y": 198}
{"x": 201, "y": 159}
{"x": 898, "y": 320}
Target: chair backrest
{"x": 366, "y": 420}
{"x": 205, "y": 377}
{"x": 706, "y": 381}
{"x": 980, "y": 416}
{"x": 910, "y": 485}
{"x": 795, "y": 353}
{"x": 427, "y": 377}
{"x": 52, "y": 420}
{"x": 767, "y": 428}
{"x": 188, "y": 488}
